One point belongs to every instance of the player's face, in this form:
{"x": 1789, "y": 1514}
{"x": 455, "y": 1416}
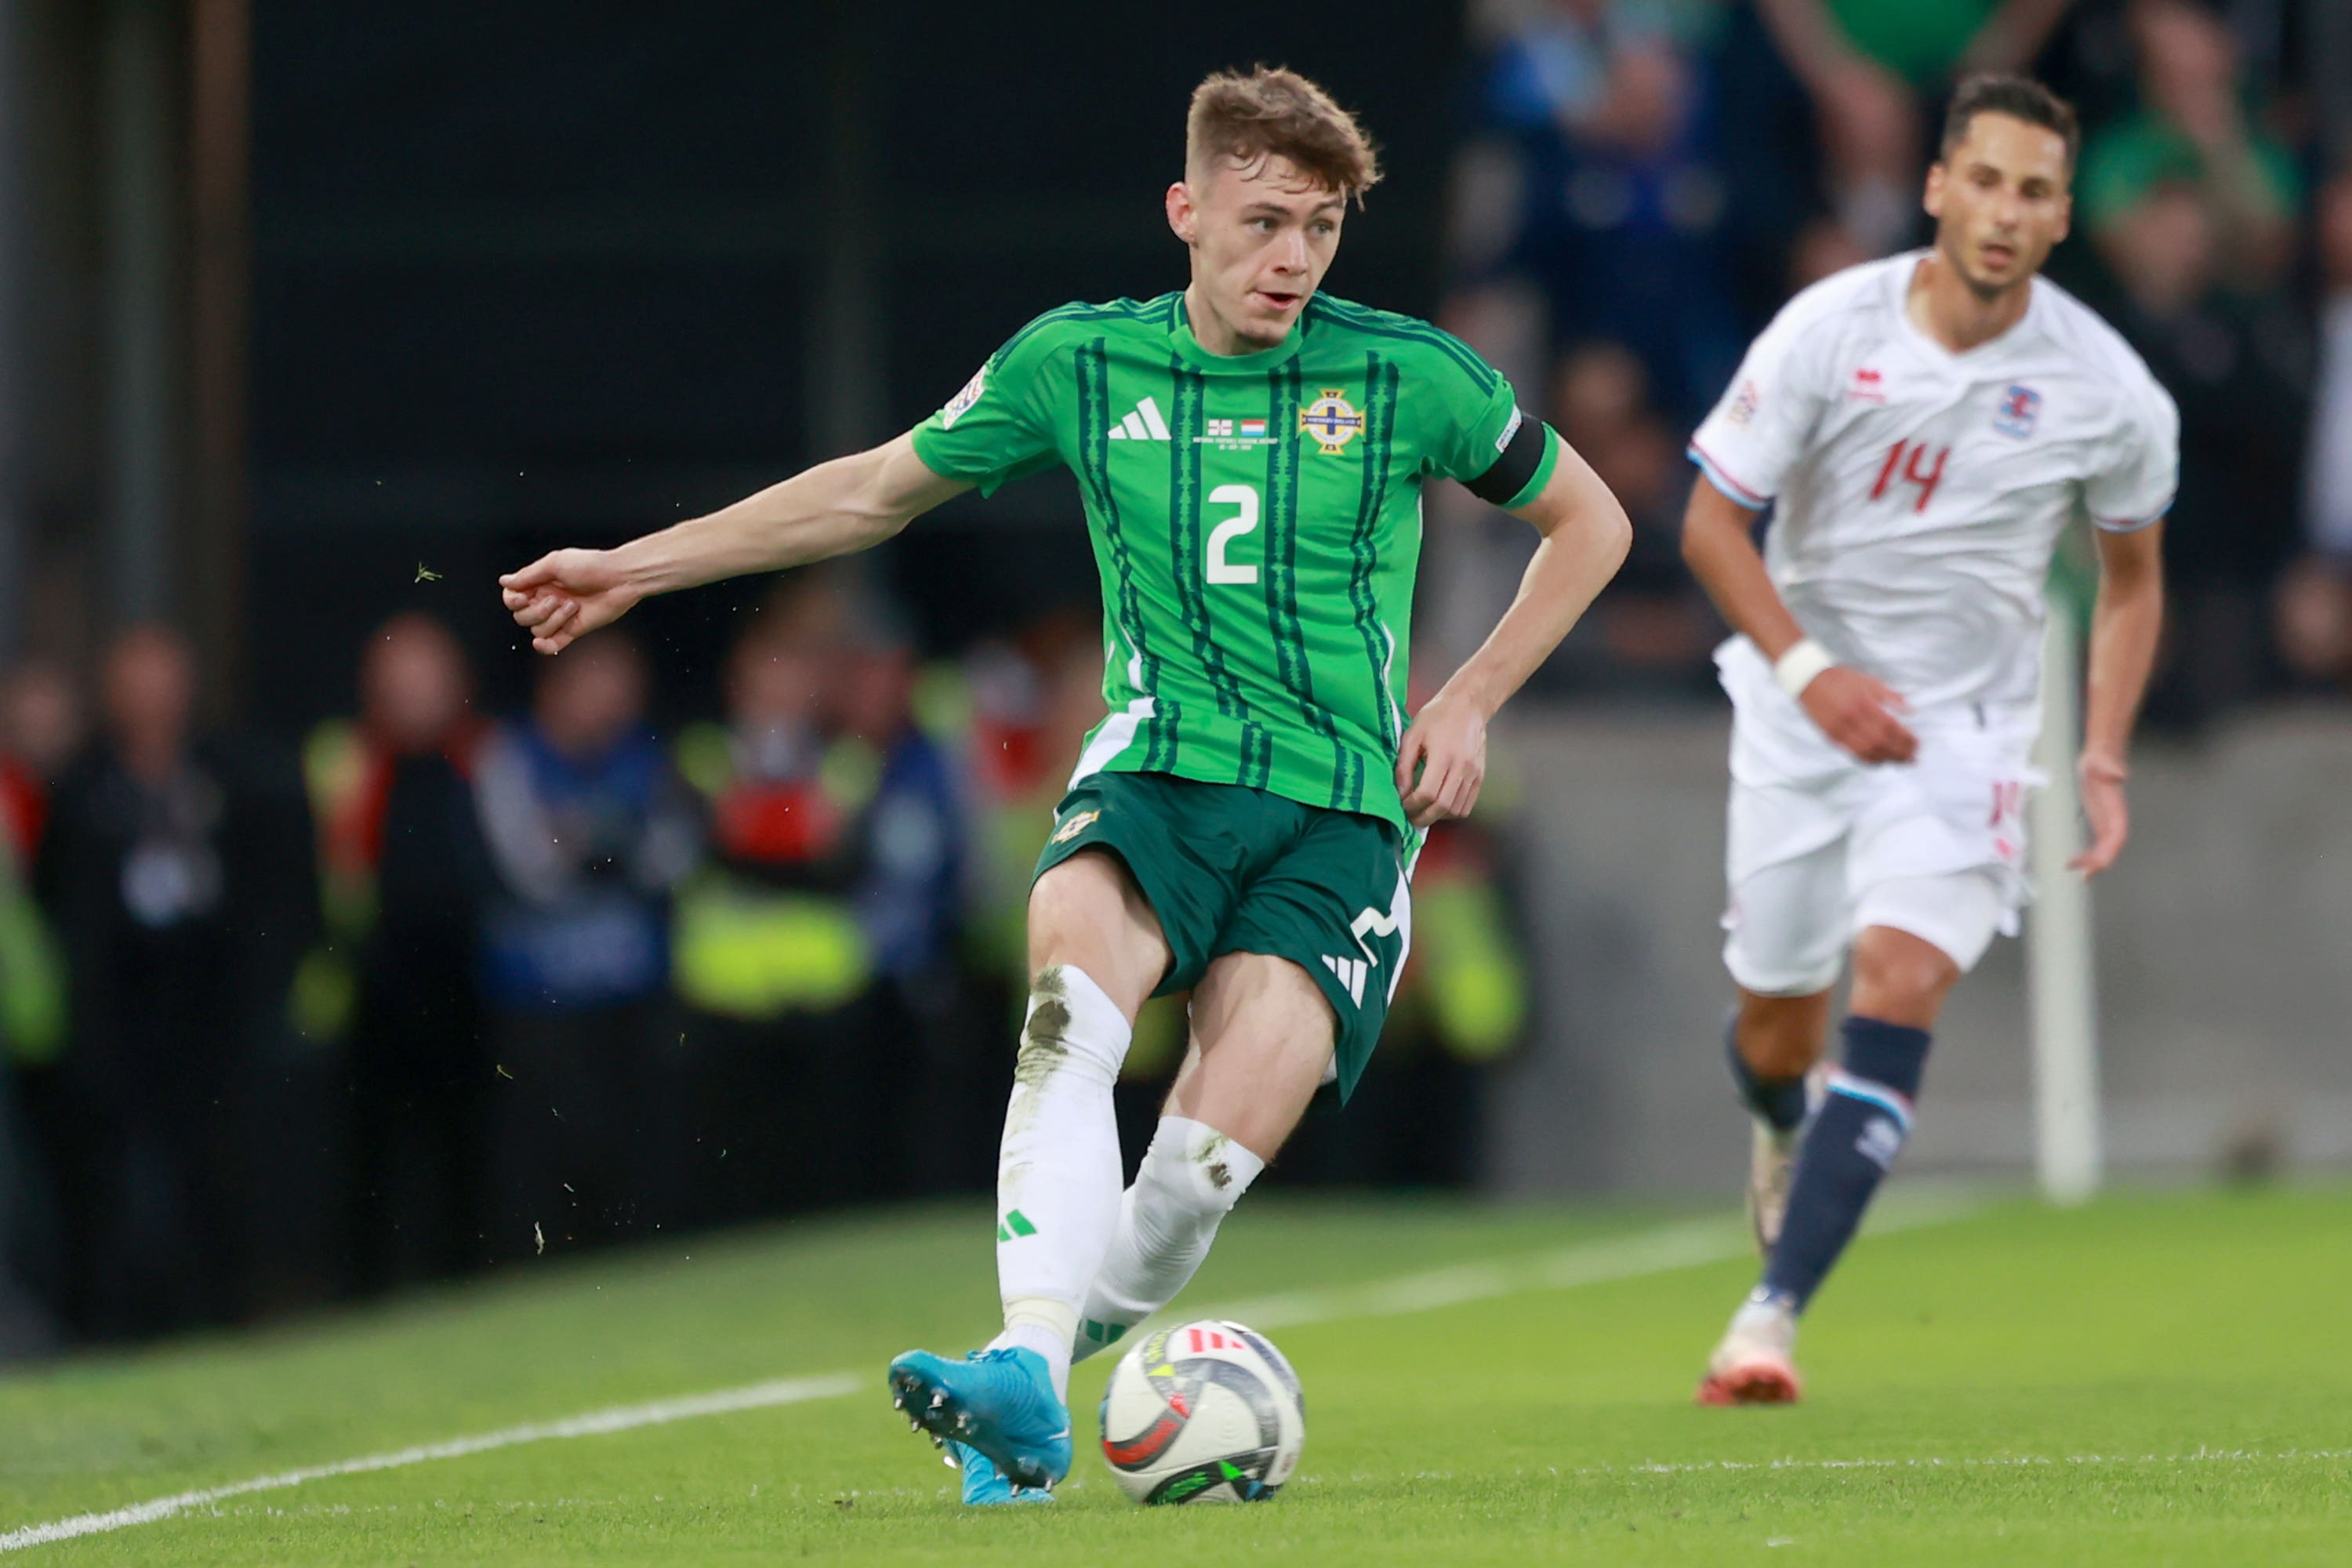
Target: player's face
{"x": 1262, "y": 238}
{"x": 2001, "y": 200}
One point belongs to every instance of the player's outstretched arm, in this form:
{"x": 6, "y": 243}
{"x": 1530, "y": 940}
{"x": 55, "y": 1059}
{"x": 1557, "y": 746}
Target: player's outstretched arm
{"x": 831, "y": 509}
{"x": 1856, "y": 711}
{"x": 2124, "y": 631}
{"x": 1442, "y": 761}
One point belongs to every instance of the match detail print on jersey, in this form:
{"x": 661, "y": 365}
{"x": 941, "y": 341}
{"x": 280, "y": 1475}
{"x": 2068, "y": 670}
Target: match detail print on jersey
{"x": 1256, "y": 520}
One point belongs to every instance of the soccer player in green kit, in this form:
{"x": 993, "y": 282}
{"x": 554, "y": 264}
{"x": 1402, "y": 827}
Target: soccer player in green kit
{"x": 1243, "y": 823}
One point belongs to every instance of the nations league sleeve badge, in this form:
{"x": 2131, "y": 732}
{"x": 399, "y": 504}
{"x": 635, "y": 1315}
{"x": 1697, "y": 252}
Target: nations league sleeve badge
{"x": 962, "y": 401}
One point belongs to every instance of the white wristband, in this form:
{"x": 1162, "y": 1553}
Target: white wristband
{"x": 1796, "y": 669}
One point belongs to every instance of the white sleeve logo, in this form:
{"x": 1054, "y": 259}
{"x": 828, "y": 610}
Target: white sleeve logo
{"x": 1503, "y": 441}
{"x": 1741, "y": 409}
{"x": 962, "y": 401}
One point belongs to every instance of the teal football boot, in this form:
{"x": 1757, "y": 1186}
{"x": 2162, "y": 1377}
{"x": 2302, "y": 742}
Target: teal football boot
{"x": 984, "y": 1485}
{"x": 998, "y": 1401}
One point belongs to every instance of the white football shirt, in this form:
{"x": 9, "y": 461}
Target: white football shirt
{"x": 1918, "y": 493}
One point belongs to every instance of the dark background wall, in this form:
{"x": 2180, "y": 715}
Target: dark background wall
{"x": 535, "y": 273}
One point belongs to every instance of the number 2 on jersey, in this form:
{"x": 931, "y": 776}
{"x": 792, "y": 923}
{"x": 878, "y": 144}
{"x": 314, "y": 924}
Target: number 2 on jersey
{"x": 1243, "y": 521}
{"x": 1911, "y": 472}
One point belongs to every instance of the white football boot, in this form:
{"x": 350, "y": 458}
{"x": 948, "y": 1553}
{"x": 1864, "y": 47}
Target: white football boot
{"x": 1772, "y": 1163}
{"x": 1755, "y": 1364}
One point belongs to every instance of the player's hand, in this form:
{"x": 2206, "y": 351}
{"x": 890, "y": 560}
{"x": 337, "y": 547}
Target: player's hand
{"x": 565, "y": 595}
{"x": 1858, "y": 711}
{"x": 2103, "y": 804}
{"x": 1441, "y": 762}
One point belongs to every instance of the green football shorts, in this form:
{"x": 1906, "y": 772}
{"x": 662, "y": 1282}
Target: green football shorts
{"x": 1233, "y": 869}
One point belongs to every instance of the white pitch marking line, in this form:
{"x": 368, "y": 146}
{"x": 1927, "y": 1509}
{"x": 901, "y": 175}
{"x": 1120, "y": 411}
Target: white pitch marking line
{"x": 595, "y": 1422}
{"x": 1659, "y": 1251}
{"x": 1684, "y": 1246}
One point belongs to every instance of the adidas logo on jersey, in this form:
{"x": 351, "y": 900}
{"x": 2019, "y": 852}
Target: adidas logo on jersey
{"x": 1351, "y": 973}
{"x": 1143, "y": 423}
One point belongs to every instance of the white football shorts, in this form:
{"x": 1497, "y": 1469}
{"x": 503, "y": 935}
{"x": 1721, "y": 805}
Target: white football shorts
{"x": 1821, "y": 846}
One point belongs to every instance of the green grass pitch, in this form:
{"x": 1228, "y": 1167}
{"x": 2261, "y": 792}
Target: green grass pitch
{"x": 2154, "y": 1379}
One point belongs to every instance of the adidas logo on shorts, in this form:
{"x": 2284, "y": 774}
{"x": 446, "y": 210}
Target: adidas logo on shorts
{"x": 1351, "y": 973}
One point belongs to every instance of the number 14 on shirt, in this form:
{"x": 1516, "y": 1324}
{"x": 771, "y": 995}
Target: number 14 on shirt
{"x": 1911, "y": 471}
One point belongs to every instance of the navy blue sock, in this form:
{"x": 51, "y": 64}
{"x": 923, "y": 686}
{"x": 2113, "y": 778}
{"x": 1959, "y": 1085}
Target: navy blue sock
{"x": 1854, "y": 1140}
{"x": 1779, "y": 1100}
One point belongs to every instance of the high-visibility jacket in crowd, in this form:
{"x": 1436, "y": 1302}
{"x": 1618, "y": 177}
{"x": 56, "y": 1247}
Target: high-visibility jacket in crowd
{"x": 32, "y": 975}
{"x": 766, "y": 925}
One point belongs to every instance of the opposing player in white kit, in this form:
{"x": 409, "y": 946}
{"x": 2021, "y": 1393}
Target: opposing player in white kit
{"x": 1923, "y": 429}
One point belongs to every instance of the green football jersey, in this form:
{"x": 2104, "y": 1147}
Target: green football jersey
{"x": 1257, "y": 520}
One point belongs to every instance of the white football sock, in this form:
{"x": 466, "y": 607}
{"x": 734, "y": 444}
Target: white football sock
{"x": 1191, "y": 1177}
{"x": 1057, "y": 1169}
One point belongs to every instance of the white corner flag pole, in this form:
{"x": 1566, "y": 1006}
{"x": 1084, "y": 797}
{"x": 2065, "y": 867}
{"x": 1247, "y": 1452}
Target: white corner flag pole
{"x": 2061, "y": 985}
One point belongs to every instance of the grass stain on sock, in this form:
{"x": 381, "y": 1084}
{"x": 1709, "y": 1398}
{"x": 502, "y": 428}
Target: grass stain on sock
{"x": 1044, "y": 1038}
{"x": 1220, "y": 1175}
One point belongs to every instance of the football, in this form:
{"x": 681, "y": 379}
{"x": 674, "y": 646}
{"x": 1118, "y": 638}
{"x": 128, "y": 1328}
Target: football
{"x": 1205, "y": 1412}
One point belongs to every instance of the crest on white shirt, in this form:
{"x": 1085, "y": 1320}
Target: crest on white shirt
{"x": 2020, "y": 406}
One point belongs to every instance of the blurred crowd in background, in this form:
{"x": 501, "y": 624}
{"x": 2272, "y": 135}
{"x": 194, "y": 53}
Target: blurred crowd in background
{"x": 285, "y": 1019}
{"x": 443, "y": 991}
{"x": 1644, "y": 182}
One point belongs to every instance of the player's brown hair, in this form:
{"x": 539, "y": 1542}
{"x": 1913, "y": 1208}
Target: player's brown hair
{"x": 1274, "y": 112}
{"x": 2020, "y": 98}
